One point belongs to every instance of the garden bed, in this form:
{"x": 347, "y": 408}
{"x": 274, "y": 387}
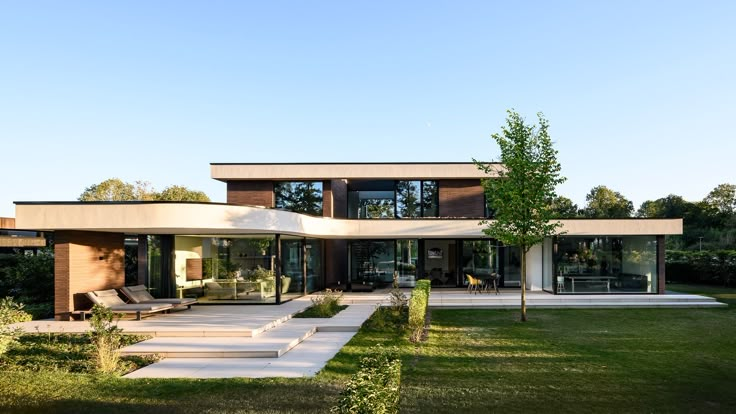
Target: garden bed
{"x": 313, "y": 312}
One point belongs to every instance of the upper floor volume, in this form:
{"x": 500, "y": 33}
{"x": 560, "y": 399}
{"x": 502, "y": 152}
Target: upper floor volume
{"x": 359, "y": 190}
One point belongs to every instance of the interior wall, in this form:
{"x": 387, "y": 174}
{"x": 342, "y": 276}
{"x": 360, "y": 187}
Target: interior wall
{"x": 186, "y": 248}
{"x": 534, "y": 268}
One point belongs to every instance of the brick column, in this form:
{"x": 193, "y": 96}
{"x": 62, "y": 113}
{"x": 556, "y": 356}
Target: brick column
{"x": 85, "y": 261}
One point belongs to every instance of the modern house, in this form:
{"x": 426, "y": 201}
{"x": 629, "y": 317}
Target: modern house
{"x": 291, "y": 229}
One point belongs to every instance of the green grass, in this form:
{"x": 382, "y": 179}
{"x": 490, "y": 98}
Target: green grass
{"x": 722, "y": 294}
{"x": 475, "y": 361}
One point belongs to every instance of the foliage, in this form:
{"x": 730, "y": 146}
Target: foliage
{"x": 722, "y": 199}
{"x": 520, "y": 196}
{"x": 181, "y": 193}
{"x": 602, "y": 202}
{"x": 374, "y": 389}
{"x": 312, "y": 312}
{"x": 396, "y": 297}
{"x": 563, "y": 208}
{"x": 386, "y": 319}
{"x": 300, "y": 197}
{"x": 259, "y": 274}
{"x": 30, "y": 278}
{"x": 10, "y": 312}
{"x": 115, "y": 189}
{"x": 106, "y": 336}
{"x": 711, "y": 267}
{"x": 418, "y": 309}
{"x": 64, "y": 353}
{"x": 326, "y": 304}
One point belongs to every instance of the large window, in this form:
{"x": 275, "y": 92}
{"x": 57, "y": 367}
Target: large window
{"x": 301, "y": 197}
{"x": 372, "y": 262}
{"x": 605, "y": 264}
{"x": 392, "y": 199}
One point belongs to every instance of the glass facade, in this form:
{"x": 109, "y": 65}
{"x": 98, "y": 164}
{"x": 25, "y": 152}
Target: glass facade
{"x": 372, "y": 262}
{"x": 315, "y": 265}
{"x": 299, "y": 196}
{"x": 393, "y": 199}
{"x": 605, "y": 264}
{"x": 408, "y": 199}
{"x": 440, "y": 262}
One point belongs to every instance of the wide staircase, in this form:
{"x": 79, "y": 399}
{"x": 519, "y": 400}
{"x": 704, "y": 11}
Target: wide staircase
{"x": 259, "y": 344}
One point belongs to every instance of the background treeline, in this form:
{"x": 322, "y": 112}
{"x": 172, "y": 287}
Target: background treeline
{"x": 709, "y": 224}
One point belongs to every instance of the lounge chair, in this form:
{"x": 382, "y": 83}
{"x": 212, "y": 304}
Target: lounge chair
{"x": 139, "y": 294}
{"x": 110, "y": 299}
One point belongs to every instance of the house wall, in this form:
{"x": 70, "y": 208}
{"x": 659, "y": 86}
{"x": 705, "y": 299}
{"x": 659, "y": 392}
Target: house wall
{"x": 85, "y": 261}
{"x": 252, "y": 193}
{"x": 461, "y": 198}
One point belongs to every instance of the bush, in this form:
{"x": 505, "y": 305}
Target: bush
{"x": 418, "y": 309}
{"x": 10, "y": 312}
{"x": 107, "y": 337}
{"x": 327, "y": 304}
{"x": 709, "y": 267}
{"x": 374, "y": 389}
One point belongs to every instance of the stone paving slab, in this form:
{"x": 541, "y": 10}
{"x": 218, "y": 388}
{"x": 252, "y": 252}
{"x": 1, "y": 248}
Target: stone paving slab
{"x": 201, "y": 320}
{"x": 271, "y": 344}
{"x": 305, "y": 361}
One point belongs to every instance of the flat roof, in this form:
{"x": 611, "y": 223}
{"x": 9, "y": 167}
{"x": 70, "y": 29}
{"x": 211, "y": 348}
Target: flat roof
{"x": 212, "y": 218}
{"x": 348, "y": 170}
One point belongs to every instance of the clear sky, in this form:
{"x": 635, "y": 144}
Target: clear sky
{"x": 640, "y": 95}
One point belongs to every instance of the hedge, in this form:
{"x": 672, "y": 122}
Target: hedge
{"x": 374, "y": 389}
{"x": 710, "y": 267}
{"x": 418, "y": 309}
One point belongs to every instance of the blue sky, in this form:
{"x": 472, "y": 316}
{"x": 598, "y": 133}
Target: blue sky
{"x": 640, "y": 95}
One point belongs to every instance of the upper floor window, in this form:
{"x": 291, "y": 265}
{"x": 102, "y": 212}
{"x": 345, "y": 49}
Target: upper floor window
{"x": 392, "y": 199}
{"x": 299, "y": 196}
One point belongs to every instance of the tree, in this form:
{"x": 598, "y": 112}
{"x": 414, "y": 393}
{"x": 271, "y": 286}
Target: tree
{"x": 115, "y": 189}
{"x": 562, "y": 207}
{"x": 602, "y": 202}
{"x": 300, "y": 197}
{"x": 181, "y": 193}
{"x": 722, "y": 199}
{"x": 521, "y": 194}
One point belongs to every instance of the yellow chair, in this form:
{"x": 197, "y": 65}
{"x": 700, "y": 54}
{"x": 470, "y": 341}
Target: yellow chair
{"x": 474, "y": 284}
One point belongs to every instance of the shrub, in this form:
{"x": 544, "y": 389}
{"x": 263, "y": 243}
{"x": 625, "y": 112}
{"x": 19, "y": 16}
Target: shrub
{"x": 10, "y": 312}
{"x": 712, "y": 267}
{"x": 374, "y": 389}
{"x": 396, "y": 297}
{"x": 418, "y": 309}
{"x": 326, "y": 304}
{"x": 107, "y": 337}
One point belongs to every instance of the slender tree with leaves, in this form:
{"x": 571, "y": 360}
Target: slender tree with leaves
{"x": 520, "y": 196}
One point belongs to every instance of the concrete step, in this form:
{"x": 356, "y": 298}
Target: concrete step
{"x": 271, "y": 344}
{"x": 303, "y": 361}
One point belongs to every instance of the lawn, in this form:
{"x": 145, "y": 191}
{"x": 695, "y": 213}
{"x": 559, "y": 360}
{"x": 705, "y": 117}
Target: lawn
{"x": 617, "y": 360}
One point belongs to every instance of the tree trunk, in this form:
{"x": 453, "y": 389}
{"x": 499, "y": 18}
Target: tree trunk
{"x": 523, "y": 284}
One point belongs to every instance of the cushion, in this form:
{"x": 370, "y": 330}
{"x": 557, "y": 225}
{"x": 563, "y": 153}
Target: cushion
{"x": 107, "y": 298}
{"x": 137, "y": 293}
